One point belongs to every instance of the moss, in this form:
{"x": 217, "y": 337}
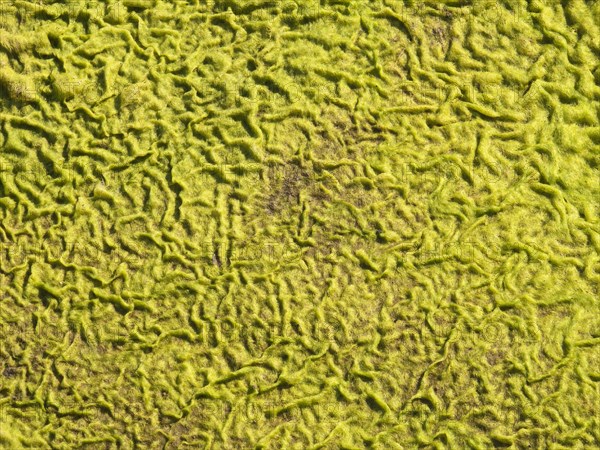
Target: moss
{"x": 266, "y": 224}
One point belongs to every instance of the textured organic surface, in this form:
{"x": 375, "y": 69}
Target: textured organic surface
{"x": 262, "y": 224}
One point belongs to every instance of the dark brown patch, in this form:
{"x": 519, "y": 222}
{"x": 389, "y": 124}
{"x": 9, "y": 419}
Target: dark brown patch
{"x": 288, "y": 189}
{"x": 10, "y": 372}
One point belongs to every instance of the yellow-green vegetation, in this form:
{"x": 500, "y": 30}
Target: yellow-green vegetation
{"x": 281, "y": 224}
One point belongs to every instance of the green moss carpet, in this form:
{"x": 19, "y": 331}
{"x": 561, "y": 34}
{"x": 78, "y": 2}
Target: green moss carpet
{"x": 300, "y": 225}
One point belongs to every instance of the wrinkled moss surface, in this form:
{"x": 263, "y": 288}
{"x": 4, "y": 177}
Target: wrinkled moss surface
{"x": 300, "y": 225}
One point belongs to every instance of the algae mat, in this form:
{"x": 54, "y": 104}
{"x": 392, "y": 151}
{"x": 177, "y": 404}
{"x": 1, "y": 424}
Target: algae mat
{"x": 281, "y": 225}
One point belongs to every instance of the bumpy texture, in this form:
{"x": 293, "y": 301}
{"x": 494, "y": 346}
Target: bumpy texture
{"x": 269, "y": 224}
